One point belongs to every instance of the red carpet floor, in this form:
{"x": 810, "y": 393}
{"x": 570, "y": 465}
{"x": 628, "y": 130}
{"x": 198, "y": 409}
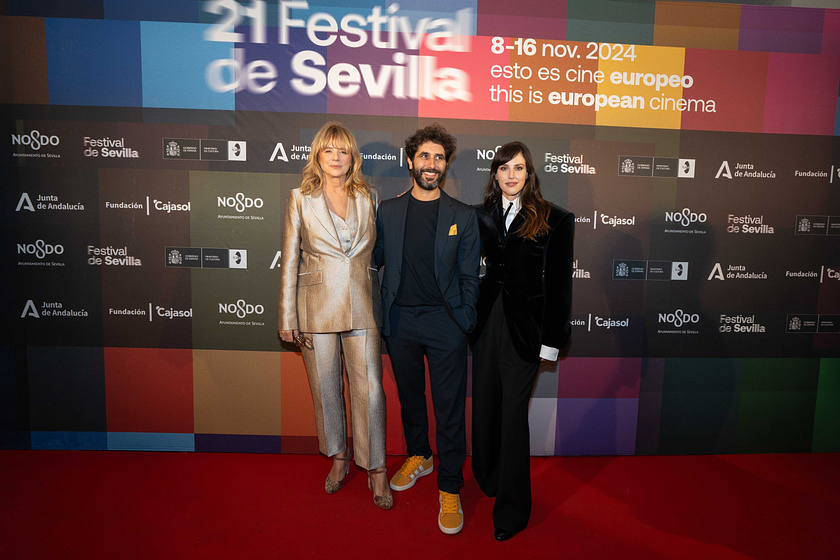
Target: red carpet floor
{"x": 92, "y": 505}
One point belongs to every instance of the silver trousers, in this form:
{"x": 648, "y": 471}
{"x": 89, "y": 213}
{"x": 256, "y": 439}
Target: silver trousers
{"x": 362, "y": 354}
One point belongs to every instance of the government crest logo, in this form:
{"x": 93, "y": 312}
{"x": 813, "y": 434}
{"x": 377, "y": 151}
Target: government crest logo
{"x": 175, "y": 258}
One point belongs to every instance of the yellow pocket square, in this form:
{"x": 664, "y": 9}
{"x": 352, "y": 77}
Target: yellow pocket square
{"x": 453, "y": 230}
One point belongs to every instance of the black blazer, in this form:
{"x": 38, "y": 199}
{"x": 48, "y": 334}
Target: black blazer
{"x": 457, "y": 256}
{"x": 533, "y": 277}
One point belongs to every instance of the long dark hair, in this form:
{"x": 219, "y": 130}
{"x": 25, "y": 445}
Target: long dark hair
{"x": 535, "y": 208}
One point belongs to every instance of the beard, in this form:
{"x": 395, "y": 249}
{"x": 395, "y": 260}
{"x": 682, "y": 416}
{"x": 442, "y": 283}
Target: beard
{"x": 423, "y": 183}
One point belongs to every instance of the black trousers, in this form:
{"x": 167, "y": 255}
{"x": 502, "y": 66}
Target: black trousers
{"x": 430, "y": 331}
{"x": 501, "y": 450}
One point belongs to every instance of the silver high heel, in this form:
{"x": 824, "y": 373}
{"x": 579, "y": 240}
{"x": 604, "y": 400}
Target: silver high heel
{"x": 332, "y": 486}
{"x": 386, "y": 501}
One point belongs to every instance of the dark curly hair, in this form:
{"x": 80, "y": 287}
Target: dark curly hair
{"x": 432, "y": 133}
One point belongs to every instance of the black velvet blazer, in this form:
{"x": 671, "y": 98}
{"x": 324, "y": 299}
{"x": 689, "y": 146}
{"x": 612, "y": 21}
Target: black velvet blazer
{"x": 534, "y": 279}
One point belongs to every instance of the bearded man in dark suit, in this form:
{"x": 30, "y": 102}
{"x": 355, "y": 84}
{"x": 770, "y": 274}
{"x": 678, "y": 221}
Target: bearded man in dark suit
{"x": 428, "y": 243}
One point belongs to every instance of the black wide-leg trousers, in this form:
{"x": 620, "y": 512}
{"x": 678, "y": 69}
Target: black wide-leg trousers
{"x": 429, "y": 331}
{"x": 501, "y": 451}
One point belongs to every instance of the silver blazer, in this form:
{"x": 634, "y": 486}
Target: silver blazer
{"x": 322, "y": 288}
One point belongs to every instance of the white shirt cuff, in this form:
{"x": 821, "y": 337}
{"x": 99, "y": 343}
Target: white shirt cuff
{"x": 549, "y": 353}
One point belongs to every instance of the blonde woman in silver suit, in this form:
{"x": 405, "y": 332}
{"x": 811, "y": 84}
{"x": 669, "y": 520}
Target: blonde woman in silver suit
{"x": 329, "y": 304}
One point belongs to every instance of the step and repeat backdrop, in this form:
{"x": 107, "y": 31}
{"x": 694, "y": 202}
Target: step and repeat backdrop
{"x": 148, "y": 148}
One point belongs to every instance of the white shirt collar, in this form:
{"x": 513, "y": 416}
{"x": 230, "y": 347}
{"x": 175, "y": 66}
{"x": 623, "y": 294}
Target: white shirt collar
{"x": 514, "y": 206}
{"x": 517, "y": 204}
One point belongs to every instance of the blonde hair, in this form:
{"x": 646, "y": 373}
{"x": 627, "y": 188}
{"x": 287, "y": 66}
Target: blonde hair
{"x": 336, "y": 135}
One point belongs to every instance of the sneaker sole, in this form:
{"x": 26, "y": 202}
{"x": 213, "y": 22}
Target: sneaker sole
{"x": 454, "y": 531}
{"x": 410, "y": 484}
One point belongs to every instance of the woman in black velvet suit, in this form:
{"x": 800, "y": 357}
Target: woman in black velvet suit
{"x": 523, "y": 318}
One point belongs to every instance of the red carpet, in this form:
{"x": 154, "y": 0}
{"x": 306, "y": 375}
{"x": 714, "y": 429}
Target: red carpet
{"x": 92, "y": 505}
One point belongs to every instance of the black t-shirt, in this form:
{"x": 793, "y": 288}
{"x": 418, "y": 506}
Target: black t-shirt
{"x": 417, "y": 280}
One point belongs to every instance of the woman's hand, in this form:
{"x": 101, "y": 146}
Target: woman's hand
{"x": 288, "y": 336}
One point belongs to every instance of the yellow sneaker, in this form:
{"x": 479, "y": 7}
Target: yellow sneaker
{"x": 413, "y": 468}
{"x": 451, "y": 516}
